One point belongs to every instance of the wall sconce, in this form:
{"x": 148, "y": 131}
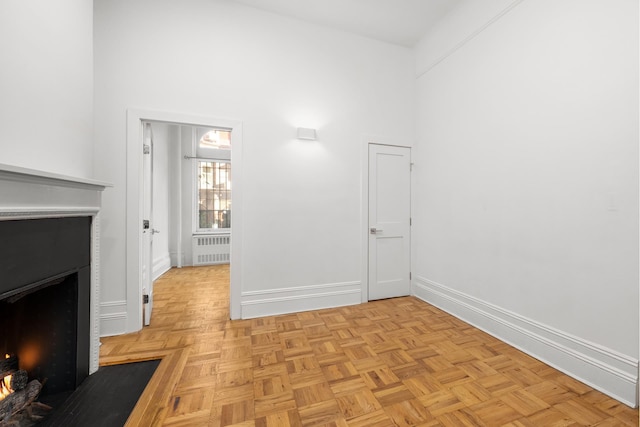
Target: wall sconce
{"x": 307, "y": 134}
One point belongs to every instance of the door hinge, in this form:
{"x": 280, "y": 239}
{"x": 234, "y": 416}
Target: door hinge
{"x": 409, "y": 275}
{"x": 410, "y": 222}
{"x": 145, "y": 299}
{"x": 411, "y": 166}
{"x": 146, "y": 149}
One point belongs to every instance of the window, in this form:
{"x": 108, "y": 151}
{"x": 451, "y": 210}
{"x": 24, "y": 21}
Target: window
{"x": 214, "y": 195}
{"x": 217, "y": 139}
{"x": 214, "y": 181}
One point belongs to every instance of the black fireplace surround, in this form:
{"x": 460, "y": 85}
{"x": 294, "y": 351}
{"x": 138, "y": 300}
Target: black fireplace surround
{"x": 45, "y": 291}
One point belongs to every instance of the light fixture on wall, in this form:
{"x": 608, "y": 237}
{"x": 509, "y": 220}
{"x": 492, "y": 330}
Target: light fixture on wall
{"x": 307, "y": 134}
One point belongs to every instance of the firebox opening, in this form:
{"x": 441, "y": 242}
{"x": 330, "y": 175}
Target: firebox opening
{"x": 40, "y": 328}
{"x": 45, "y": 296}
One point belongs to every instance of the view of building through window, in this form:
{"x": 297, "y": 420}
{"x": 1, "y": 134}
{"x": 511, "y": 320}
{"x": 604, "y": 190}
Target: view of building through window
{"x": 214, "y": 180}
{"x": 218, "y": 139}
{"x": 214, "y": 195}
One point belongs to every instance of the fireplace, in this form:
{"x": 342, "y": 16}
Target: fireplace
{"x": 49, "y": 278}
{"x": 44, "y": 298}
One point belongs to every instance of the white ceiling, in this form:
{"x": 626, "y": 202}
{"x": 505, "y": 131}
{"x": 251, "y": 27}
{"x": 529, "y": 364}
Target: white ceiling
{"x": 400, "y": 22}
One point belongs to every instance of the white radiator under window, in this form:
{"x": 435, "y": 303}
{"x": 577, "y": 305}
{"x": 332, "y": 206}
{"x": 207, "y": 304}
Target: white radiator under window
{"x": 211, "y": 249}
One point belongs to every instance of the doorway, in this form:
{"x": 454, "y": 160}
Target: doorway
{"x": 136, "y": 120}
{"x": 389, "y": 221}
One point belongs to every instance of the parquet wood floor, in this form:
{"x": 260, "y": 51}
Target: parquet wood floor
{"x": 397, "y": 362}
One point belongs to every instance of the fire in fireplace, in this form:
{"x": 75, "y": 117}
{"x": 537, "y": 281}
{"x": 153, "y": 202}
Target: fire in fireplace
{"x": 17, "y": 393}
{"x": 7, "y": 368}
{"x": 5, "y": 385}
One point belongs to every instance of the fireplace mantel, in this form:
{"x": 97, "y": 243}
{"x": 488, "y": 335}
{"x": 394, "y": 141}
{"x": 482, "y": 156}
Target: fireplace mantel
{"x": 32, "y": 194}
{"x": 16, "y": 173}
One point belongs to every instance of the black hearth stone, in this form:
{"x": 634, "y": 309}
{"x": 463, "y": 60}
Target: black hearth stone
{"x": 104, "y": 399}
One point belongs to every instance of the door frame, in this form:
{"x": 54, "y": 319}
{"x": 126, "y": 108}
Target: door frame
{"x": 364, "y": 208}
{"x": 147, "y": 235}
{"x": 134, "y": 207}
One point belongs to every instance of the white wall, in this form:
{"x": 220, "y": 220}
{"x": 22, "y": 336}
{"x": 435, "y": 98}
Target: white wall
{"x": 302, "y": 221}
{"x": 527, "y": 182}
{"x": 46, "y": 77}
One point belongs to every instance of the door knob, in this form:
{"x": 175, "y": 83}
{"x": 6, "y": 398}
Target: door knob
{"x": 374, "y": 230}
{"x": 154, "y": 231}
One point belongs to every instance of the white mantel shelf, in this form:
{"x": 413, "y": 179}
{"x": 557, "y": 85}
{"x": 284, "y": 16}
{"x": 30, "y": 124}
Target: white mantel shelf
{"x": 28, "y": 193}
{"x": 17, "y": 173}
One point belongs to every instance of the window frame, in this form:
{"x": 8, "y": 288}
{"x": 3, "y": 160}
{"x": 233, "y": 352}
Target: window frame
{"x": 224, "y": 156}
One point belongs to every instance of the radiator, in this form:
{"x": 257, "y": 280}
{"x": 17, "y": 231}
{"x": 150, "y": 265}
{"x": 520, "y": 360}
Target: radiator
{"x": 212, "y": 249}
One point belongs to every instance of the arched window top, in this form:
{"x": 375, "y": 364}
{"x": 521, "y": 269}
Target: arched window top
{"x": 219, "y": 139}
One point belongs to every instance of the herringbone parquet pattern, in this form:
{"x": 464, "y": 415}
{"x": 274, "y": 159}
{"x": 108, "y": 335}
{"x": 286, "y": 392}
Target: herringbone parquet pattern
{"x": 398, "y": 362}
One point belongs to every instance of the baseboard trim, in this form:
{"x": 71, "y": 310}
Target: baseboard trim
{"x": 161, "y": 265}
{"x": 113, "y": 318}
{"x": 300, "y": 298}
{"x": 606, "y": 370}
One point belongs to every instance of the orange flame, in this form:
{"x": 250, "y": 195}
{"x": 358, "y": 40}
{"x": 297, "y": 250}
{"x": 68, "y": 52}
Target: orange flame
{"x": 5, "y": 383}
{"x": 5, "y": 387}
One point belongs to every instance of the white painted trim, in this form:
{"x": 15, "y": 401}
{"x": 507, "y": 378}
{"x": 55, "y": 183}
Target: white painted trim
{"x": 299, "y": 288}
{"x": 94, "y": 322}
{"x": 113, "y": 324}
{"x": 364, "y": 219}
{"x": 32, "y": 176}
{"x": 39, "y": 212}
{"x": 470, "y": 37}
{"x": 177, "y": 259}
{"x": 300, "y": 298}
{"x": 160, "y": 266}
{"x": 113, "y": 318}
{"x": 135, "y": 117}
{"x": 611, "y": 372}
{"x": 111, "y": 306}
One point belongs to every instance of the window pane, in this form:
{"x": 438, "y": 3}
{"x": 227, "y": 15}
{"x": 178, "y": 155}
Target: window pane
{"x": 217, "y": 138}
{"x": 214, "y": 195}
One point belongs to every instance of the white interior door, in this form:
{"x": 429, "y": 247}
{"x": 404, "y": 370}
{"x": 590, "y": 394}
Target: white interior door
{"x": 148, "y": 231}
{"x": 389, "y": 221}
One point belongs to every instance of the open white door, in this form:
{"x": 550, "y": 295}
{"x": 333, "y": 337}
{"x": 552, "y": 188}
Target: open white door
{"x": 148, "y": 231}
{"x": 389, "y": 221}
